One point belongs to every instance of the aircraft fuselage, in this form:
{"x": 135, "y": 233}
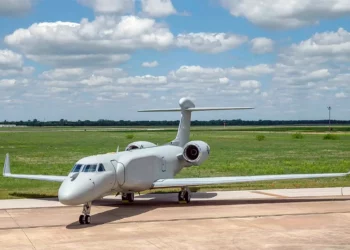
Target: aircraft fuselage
{"x": 127, "y": 171}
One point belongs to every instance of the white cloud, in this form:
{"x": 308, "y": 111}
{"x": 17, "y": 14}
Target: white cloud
{"x": 158, "y": 8}
{"x": 143, "y": 80}
{"x": 11, "y": 63}
{"x": 62, "y": 74}
{"x": 281, "y": 14}
{"x": 210, "y": 42}
{"x": 262, "y": 45}
{"x": 340, "y": 95}
{"x": 97, "y": 81}
{"x": 256, "y": 70}
{"x": 14, "y": 7}
{"x": 150, "y": 64}
{"x": 316, "y": 75}
{"x": 324, "y": 46}
{"x": 7, "y": 82}
{"x": 109, "y": 6}
{"x": 224, "y": 80}
{"x": 10, "y": 59}
{"x": 105, "y": 40}
{"x": 250, "y": 84}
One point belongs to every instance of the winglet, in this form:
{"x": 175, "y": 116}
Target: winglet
{"x": 7, "y": 169}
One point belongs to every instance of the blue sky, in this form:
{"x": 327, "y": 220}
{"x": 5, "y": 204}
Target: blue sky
{"x": 105, "y": 59}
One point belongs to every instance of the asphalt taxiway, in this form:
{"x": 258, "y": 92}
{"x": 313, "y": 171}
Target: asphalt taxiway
{"x": 263, "y": 219}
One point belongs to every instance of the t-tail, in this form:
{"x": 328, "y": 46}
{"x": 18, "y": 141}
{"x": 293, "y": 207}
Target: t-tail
{"x": 186, "y": 108}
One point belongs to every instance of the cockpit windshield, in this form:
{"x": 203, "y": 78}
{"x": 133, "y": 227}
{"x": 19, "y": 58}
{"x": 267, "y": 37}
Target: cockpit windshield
{"x": 90, "y": 168}
{"x": 76, "y": 168}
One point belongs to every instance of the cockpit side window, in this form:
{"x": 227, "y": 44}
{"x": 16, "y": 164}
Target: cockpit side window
{"x": 101, "y": 168}
{"x": 76, "y": 168}
{"x": 90, "y": 168}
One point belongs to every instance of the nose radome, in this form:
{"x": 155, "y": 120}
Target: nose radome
{"x": 75, "y": 192}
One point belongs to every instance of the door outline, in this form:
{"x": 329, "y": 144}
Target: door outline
{"x": 163, "y": 164}
{"x": 119, "y": 168}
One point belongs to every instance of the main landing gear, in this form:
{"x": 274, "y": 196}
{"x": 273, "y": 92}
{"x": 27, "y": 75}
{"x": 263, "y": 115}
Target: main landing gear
{"x": 85, "y": 218}
{"x": 128, "y": 197}
{"x": 184, "y": 195}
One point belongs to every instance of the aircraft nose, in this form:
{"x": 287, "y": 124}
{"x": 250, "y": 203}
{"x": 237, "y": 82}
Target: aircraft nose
{"x": 75, "y": 192}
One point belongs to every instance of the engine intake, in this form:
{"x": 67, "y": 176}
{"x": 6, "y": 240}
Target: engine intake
{"x": 140, "y": 145}
{"x": 196, "y": 152}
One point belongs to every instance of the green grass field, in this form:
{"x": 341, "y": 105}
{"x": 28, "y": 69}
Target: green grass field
{"x": 233, "y": 153}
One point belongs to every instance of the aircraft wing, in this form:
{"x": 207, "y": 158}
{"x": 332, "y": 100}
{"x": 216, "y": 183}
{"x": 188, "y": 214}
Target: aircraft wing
{"x": 183, "y": 182}
{"x": 7, "y": 173}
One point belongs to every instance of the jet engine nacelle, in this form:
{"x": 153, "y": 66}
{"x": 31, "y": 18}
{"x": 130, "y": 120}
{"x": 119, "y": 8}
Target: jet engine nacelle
{"x": 196, "y": 152}
{"x": 140, "y": 145}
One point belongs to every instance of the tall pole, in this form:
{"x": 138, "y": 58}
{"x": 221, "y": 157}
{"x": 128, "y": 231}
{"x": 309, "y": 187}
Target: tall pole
{"x": 329, "y": 118}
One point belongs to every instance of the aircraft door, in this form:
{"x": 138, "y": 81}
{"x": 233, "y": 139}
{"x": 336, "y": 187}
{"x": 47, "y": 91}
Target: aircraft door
{"x": 120, "y": 170}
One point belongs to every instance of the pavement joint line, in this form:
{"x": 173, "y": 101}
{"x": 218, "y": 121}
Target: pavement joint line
{"x": 270, "y": 194}
{"x": 175, "y": 220}
{"x": 19, "y": 227}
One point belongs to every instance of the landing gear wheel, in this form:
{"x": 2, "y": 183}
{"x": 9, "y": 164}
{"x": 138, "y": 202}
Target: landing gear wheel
{"x": 87, "y": 219}
{"x": 128, "y": 197}
{"x": 184, "y": 196}
{"x": 81, "y": 219}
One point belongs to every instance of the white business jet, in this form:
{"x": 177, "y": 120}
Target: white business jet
{"x": 143, "y": 166}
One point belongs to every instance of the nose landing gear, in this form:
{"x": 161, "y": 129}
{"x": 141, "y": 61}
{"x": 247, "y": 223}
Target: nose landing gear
{"x": 184, "y": 195}
{"x": 85, "y": 218}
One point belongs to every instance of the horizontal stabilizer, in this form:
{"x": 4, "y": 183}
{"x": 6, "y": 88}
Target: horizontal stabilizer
{"x": 195, "y": 109}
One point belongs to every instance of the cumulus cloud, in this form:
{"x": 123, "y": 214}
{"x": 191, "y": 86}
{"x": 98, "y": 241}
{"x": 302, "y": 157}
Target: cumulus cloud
{"x": 150, "y": 64}
{"x": 250, "y": 84}
{"x": 158, "y": 8}
{"x": 10, "y": 59}
{"x": 142, "y": 80}
{"x": 105, "y": 40}
{"x": 256, "y": 70}
{"x": 324, "y": 46}
{"x": 7, "y": 82}
{"x": 281, "y": 14}
{"x": 261, "y": 45}
{"x": 11, "y": 63}
{"x": 14, "y": 7}
{"x": 210, "y": 42}
{"x": 109, "y": 6}
{"x": 340, "y": 95}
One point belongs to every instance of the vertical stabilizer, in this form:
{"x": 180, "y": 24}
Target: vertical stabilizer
{"x": 183, "y": 132}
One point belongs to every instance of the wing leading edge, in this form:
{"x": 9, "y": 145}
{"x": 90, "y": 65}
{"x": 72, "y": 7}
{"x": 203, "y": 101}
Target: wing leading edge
{"x": 7, "y": 173}
{"x": 182, "y": 182}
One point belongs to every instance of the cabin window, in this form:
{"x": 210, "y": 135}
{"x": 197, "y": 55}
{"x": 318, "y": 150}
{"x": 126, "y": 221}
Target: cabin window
{"x": 101, "y": 168}
{"x": 90, "y": 168}
{"x": 76, "y": 168}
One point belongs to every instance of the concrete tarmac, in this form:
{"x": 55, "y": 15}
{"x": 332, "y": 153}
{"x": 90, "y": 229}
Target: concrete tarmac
{"x": 265, "y": 219}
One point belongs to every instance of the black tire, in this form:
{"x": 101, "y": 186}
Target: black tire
{"x": 131, "y": 197}
{"x": 81, "y": 219}
{"x": 187, "y": 197}
{"x": 180, "y": 198}
{"x": 87, "y": 219}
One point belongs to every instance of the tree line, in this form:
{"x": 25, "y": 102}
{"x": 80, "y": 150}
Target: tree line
{"x": 236, "y": 122}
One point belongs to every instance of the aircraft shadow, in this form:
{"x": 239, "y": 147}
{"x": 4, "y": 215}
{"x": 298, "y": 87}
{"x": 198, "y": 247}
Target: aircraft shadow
{"x": 140, "y": 206}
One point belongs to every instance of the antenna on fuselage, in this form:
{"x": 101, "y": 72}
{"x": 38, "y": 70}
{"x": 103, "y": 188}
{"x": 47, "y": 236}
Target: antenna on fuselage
{"x": 117, "y": 149}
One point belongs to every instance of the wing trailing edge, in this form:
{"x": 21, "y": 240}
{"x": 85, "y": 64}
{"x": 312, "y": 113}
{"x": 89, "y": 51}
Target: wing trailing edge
{"x": 183, "y": 182}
